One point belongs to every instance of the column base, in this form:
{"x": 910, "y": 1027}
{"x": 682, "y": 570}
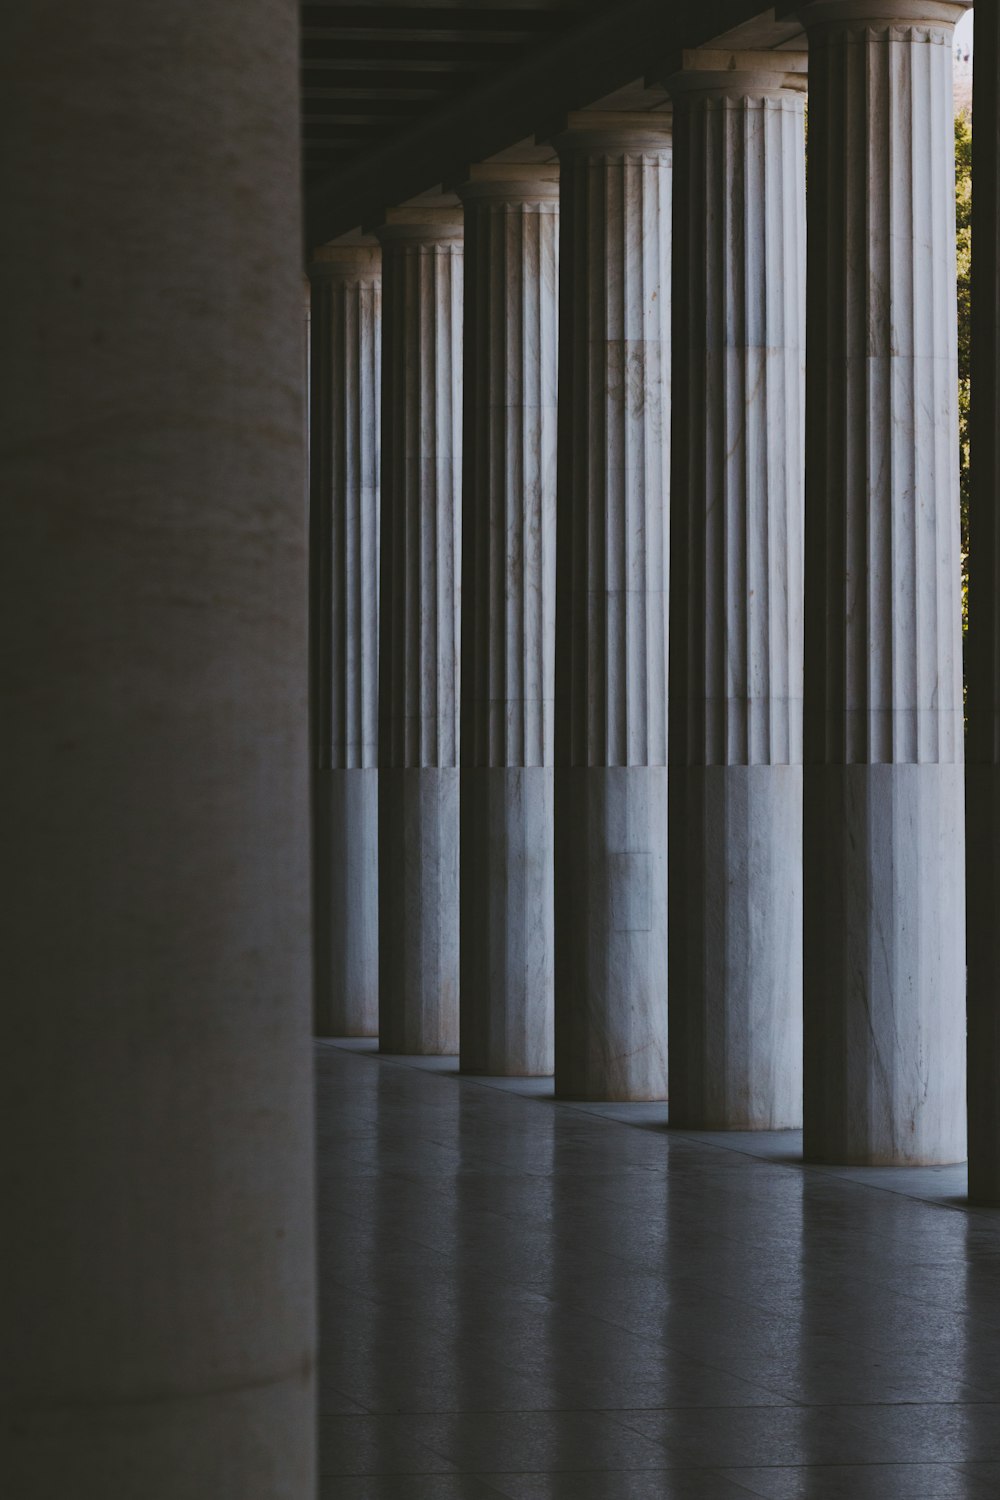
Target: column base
{"x": 611, "y": 932}
{"x": 345, "y": 902}
{"x": 507, "y": 957}
{"x": 418, "y": 911}
{"x": 884, "y": 979}
{"x": 736, "y": 947}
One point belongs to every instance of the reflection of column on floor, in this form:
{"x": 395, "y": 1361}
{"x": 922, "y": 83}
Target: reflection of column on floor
{"x": 884, "y": 903}
{"x": 350, "y": 1238}
{"x": 416, "y": 1212}
{"x": 892, "y": 1263}
{"x": 971, "y": 1268}
{"x": 607, "y": 1239}
{"x": 730, "y": 1279}
{"x": 504, "y": 1199}
{"x": 611, "y": 601}
{"x": 983, "y": 648}
{"x": 419, "y": 629}
{"x": 345, "y": 375}
{"x": 508, "y": 600}
{"x": 735, "y": 824}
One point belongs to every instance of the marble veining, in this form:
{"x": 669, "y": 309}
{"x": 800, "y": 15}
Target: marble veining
{"x": 508, "y": 628}
{"x": 737, "y": 513}
{"x": 611, "y": 607}
{"x": 884, "y": 908}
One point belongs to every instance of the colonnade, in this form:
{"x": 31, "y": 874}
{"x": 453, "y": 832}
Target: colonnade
{"x": 808, "y": 798}
{"x": 159, "y": 1181}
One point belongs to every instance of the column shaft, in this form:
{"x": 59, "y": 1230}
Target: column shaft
{"x": 983, "y": 652}
{"x": 611, "y": 601}
{"x": 736, "y": 596}
{"x": 159, "y": 1335}
{"x": 508, "y": 626}
{"x": 419, "y": 631}
{"x": 884, "y": 859}
{"x": 346, "y": 350}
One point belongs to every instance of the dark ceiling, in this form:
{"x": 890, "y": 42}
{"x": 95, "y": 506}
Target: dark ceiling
{"x": 370, "y": 71}
{"x": 398, "y": 98}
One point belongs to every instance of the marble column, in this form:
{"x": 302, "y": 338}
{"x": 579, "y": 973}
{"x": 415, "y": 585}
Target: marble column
{"x": 611, "y": 608}
{"x": 508, "y": 617}
{"x": 158, "y": 1181}
{"x": 346, "y": 354}
{"x": 736, "y": 538}
{"x": 983, "y": 646}
{"x": 884, "y": 908}
{"x": 419, "y": 629}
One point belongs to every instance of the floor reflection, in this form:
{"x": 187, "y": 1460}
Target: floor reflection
{"x": 523, "y": 1299}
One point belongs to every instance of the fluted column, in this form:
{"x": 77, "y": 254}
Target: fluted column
{"x": 736, "y": 592}
{"x": 346, "y": 352}
{"x": 611, "y": 609}
{"x": 508, "y": 617}
{"x": 884, "y": 980}
{"x": 983, "y": 648}
{"x": 419, "y": 630}
{"x": 158, "y": 1257}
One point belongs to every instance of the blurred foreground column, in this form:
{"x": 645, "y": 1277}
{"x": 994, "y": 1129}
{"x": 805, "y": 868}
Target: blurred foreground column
{"x": 158, "y": 1196}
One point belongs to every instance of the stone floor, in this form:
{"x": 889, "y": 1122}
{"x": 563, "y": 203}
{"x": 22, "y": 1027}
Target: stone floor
{"x": 534, "y": 1300}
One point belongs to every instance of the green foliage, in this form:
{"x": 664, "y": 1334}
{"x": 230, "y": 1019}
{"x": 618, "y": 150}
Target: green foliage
{"x": 963, "y": 206}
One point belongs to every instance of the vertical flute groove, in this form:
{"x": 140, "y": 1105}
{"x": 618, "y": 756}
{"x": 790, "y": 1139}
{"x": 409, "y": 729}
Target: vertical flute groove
{"x": 509, "y": 484}
{"x": 421, "y": 461}
{"x": 736, "y": 695}
{"x": 613, "y": 711}
{"x": 892, "y": 688}
{"x": 346, "y": 293}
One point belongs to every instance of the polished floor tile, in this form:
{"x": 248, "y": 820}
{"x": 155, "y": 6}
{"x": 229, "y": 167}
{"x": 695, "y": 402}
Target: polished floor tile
{"x": 650, "y": 1484}
{"x": 411, "y": 1487}
{"x": 382, "y": 1445}
{"x": 856, "y": 1482}
{"x": 544, "y": 1301}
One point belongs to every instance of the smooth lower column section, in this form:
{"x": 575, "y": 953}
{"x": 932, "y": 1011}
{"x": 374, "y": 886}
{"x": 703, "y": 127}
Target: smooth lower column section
{"x": 419, "y": 630}
{"x": 736, "y": 592}
{"x": 611, "y": 609}
{"x": 160, "y": 1327}
{"x": 508, "y": 629}
{"x": 344, "y": 458}
{"x": 983, "y": 644}
{"x": 884, "y": 857}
